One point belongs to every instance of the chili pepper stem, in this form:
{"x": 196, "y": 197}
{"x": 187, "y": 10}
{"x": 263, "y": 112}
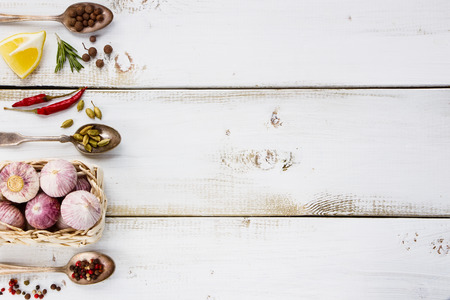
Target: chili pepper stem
{"x": 59, "y": 96}
{"x": 24, "y": 110}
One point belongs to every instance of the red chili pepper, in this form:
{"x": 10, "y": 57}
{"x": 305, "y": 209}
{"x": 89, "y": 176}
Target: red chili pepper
{"x": 39, "y": 99}
{"x": 55, "y": 107}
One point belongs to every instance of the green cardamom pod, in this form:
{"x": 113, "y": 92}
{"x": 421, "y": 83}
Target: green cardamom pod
{"x": 85, "y": 129}
{"x": 78, "y": 137}
{"x": 93, "y": 132}
{"x": 67, "y": 123}
{"x": 88, "y": 147}
{"x": 103, "y": 142}
{"x": 90, "y": 113}
{"x": 97, "y": 111}
{"x": 96, "y": 138}
{"x": 80, "y": 105}
{"x": 85, "y": 140}
{"x": 93, "y": 143}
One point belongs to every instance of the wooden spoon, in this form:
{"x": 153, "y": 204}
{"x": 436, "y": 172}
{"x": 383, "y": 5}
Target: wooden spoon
{"x": 65, "y": 18}
{"x": 108, "y": 267}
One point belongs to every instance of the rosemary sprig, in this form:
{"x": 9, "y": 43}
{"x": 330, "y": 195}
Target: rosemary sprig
{"x": 67, "y": 51}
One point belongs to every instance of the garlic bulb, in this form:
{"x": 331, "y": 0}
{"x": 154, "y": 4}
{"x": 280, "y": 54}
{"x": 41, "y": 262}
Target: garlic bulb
{"x": 19, "y": 182}
{"x": 81, "y": 210}
{"x": 10, "y": 215}
{"x": 60, "y": 224}
{"x": 58, "y": 178}
{"x": 82, "y": 185}
{"x": 42, "y": 211}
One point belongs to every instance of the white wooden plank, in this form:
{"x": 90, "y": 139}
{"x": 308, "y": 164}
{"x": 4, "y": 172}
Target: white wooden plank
{"x": 256, "y": 43}
{"x": 261, "y": 152}
{"x": 260, "y": 258}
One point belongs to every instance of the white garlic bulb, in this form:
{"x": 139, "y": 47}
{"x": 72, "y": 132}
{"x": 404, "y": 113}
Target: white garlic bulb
{"x": 81, "y": 210}
{"x": 19, "y": 182}
{"x": 10, "y": 215}
{"x": 58, "y": 178}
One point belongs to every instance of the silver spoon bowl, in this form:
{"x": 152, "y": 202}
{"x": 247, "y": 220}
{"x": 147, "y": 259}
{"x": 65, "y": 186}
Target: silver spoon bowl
{"x": 106, "y": 132}
{"x": 108, "y": 267}
{"x": 65, "y": 18}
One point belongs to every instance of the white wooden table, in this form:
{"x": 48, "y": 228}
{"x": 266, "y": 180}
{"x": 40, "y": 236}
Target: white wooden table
{"x": 271, "y": 150}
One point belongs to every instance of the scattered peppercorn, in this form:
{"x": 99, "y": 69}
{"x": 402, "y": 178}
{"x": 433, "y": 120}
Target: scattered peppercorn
{"x": 38, "y": 287}
{"x": 44, "y": 291}
{"x": 86, "y": 57}
{"x": 93, "y": 38}
{"x": 18, "y": 292}
{"x": 53, "y": 286}
{"x": 27, "y": 296}
{"x": 58, "y": 288}
{"x": 36, "y": 296}
{"x": 92, "y": 51}
{"x": 99, "y": 63}
{"x": 108, "y": 49}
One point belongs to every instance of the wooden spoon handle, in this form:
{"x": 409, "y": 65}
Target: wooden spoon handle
{"x": 5, "y": 18}
{"x": 12, "y": 269}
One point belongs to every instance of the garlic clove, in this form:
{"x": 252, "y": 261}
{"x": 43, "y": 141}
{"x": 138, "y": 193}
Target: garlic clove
{"x": 10, "y": 215}
{"x": 58, "y": 178}
{"x": 81, "y": 210}
{"x": 19, "y": 182}
{"x": 82, "y": 184}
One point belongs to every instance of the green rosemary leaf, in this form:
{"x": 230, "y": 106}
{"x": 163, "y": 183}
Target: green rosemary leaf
{"x": 64, "y": 52}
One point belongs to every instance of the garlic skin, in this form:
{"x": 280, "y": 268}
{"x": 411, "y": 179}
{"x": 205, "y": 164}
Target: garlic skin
{"x": 82, "y": 185}
{"x": 58, "y": 178}
{"x": 19, "y": 182}
{"x": 10, "y": 215}
{"x": 42, "y": 211}
{"x": 81, "y": 210}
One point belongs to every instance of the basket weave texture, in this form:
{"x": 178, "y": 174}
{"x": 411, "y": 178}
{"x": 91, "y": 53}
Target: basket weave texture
{"x": 66, "y": 237}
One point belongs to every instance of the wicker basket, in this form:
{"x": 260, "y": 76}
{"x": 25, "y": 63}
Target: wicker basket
{"x": 67, "y": 237}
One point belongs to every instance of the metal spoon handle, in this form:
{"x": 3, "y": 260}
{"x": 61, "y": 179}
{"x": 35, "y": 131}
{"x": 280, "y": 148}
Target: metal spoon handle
{"x": 61, "y": 138}
{"x": 12, "y": 269}
{"x": 5, "y": 18}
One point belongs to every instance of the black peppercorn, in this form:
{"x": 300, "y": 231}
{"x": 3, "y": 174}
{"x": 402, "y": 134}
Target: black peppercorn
{"x": 93, "y": 38}
{"x": 80, "y": 10}
{"x": 108, "y": 49}
{"x": 38, "y": 287}
{"x": 85, "y": 58}
{"x": 58, "y": 288}
{"x": 53, "y": 286}
{"x": 99, "y": 63}
{"x": 92, "y": 51}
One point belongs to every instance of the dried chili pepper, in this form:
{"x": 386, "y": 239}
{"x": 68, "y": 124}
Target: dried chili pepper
{"x": 55, "y": 107}
{"x": 39, "y": 99}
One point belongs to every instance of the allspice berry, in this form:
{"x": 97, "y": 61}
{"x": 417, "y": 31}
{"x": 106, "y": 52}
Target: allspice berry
{"x": 72, "y": 21}
{"x": 72, "y": 13}
{"x": 85, "y": 23}
{"x": 93, "y": 38}
{"x": 79, "y": 26}
{"x": 98, "y": 11}
{"x": 99, "y": 63}
{"x": 92, "y": 51}
{"x": 91, "y": 23}
{"x": 80, "y": 10}
{"x": 89, "y": 9}
{"x": 79, "y": 18}
{"x": 108, "y": 49}
{"x": 86, "y": 16}
{"x": 86, "y": 57}
{"x": 100, "y": 18}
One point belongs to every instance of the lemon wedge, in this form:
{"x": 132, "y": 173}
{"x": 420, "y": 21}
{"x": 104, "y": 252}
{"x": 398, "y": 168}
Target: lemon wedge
{"x": 23, "y": 51}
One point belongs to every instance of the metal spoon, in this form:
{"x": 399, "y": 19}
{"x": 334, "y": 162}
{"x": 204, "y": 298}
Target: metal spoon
{"x": 106, "y": 132}
{"x": 108, "y": 267}
{"x": 64, "y": 18}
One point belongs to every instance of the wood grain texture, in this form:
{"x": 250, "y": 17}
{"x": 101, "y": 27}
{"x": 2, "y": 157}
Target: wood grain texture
{"x": 256, "y": 43}
{"x": 259, "y": 258}
{"x": 261, "y": 152}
